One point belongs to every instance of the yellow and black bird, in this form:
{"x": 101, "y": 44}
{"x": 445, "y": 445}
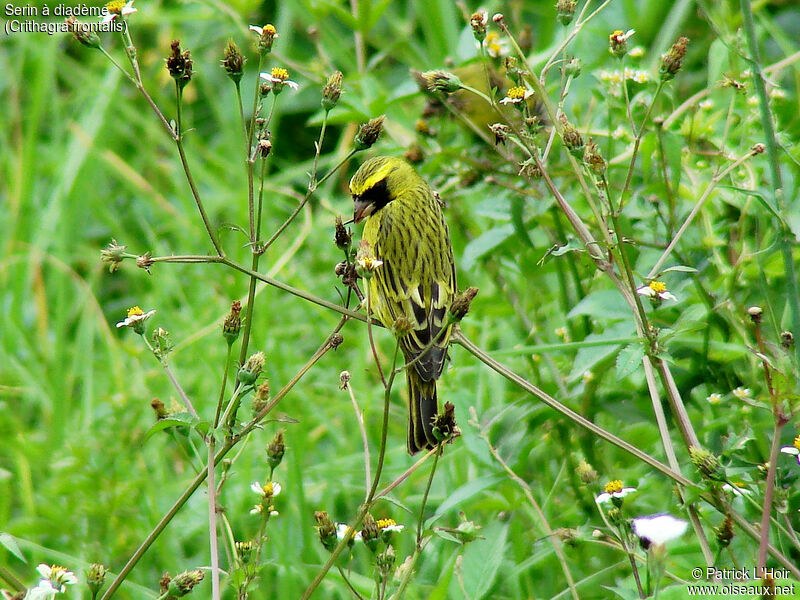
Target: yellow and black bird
{"x": 406, "y": 230}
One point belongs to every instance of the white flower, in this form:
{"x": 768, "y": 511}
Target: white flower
{"x": 794, "y": 449}
{"x": 276, "y": 77}
{"x": 659, "y": 529}
{"x": 496, "y": 46}
{"x": 614, "y": 489}
{"x": 389, "y": 526}
{"x": 135, "y": 315}
{"x": 741, "y": 392}
{"x": 714, "y": 398}
{"x": 54, "y": 578}
{"x": 516, "y": 95}
{"x": 656, "y": 290}
{"x": 342, "y": 529}
{"x": 43, "y": 591}
{"x": 270, "y": 489}
{"x": 706, "y": 104}
{"x": 116, "y": 9}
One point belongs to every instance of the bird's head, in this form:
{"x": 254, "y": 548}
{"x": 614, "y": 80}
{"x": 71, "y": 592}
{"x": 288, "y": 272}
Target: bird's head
{"x": 379, "y": 181}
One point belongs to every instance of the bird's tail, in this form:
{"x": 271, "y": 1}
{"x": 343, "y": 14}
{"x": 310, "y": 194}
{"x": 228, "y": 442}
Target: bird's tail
{"x": 422, "y": 407}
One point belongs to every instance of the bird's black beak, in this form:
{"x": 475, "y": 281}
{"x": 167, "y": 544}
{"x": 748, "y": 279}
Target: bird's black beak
{"x": 362, "y": 209}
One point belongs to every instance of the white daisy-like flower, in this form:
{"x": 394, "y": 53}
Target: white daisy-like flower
{"x": 620, "y": 37}
{"x": 614, "y": 489}
{"x": 43, "y": 591}
{"x": 389, "y": 526}
{"x": 269, "y": 489}
{"x": 343, "y": 529}
{"x": 656, "y": 290}
{"x": 741, "y": 392}
{"x": 706, "y": 104}
{"x": 496, "y": 46}
{"x": 659, "y": 529}
{"x": 58, "y": 578}
{"x": 516, "y": 95}
{"x": 714, "y": 398}
{"x": 794, "y": 449}
{"x": 135, "y": 315}
{"x": 117, "y": 8}
{"x": 260, "y": 30}
{"x": 279, "y": 77}
{"x": 368, "y": 263}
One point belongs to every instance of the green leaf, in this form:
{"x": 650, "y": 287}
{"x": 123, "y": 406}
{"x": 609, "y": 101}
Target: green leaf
{"x": 572, "y": 245}
{"x": 673, "y": 155}
{"x": 439, "y": 592}
{"x": 517, "y": 220}
{"x": 679, "y": 269}
{"x": 463, "y": 493}
{"x": 629, "y": 359}
{"x": 174, "y": 420}
{"x": 482, "y": 559}
{"x": 588, "y": 357}
{"x": 761, "y": 198}
{"x": 483, "y": 244}
{"x": 717, "y": 62}
{"x": 9, "y": 543}
{"x": 603, "y": 304}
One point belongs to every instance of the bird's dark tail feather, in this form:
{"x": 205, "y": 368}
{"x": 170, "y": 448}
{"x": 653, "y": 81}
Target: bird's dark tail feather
{"x": 422, "y": 407}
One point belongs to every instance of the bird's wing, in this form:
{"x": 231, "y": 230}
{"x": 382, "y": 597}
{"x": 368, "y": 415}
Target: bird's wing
{"x": 417, "y": 280}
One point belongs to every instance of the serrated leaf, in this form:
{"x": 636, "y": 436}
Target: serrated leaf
{"x": 629, "y": 359}
{"x": 484, "y": 243}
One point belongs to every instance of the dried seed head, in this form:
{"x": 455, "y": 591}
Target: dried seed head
{"x": 276, "y": 449}
{"x": 565, "y": 10}
{"x": 573, "y": 140}
{"x": 332, "y": 90}
{"x": 755, "y": 313}
{"x": 724, "y": 532}
{"x": 787, "y": 340}
{"x": 369, "y": 133}
{"x": 233, "y": 61}
{"x": 179, "y": 64}
{"x": 460, "y": 306}
{"x": 586, "y": 472}
{"x": 82, "y": 32}
{"x": 478, "y": 22}
{"x": 233, "y": 323}
{"x": 341, "y": 237}
{"x": 672, "y": 61}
